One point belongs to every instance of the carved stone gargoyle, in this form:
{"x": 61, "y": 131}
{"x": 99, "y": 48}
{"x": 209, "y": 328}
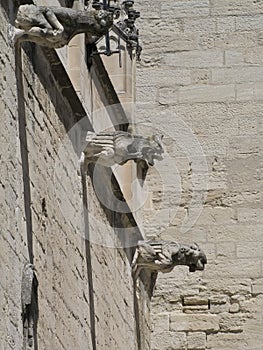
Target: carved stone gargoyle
{"x": 118, "y": 147}
{"x": 163, "y": 256}
{"x": 56, "y": 26}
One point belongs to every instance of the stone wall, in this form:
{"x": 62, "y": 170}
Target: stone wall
{"x": 51, "y": 217}
{"x": 200, "y": 83}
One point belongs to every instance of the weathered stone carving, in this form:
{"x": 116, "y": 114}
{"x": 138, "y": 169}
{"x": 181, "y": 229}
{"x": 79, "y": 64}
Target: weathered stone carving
{"x": 126, "y": 28}
{"x": 27, "y": 291}
{"x": 56, "y": 26}
{"x": 163, "y": 256}
{"x": 119, "y": 147}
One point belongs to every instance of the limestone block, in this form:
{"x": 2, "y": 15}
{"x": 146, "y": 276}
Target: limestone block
{"x": 245, "y": 92}
{"x": 180, "y": 322}
{"x": 195, "y": 59}
{"x": 147, "y": 95}
{"x": 201, "y": 76}
{"x": 163, "y": 77}
{"x": 227, "y": 341}
{"x": 169, "y": 340}
{"x": 249, "y": 250}
{"x": 226, "y": 250}
{"x": 250, "y": 215}
{"x": 250, "y": 175}
{"x": 219, "y": 308}
{"x": 216, "y": 216}
{"x": 242, "y": 145}
{"x": 196, "y": 300}
{"x": 257, "y": 286}
{"x": 254, "y": 55}
{"x": 206, "y": 25}
{"x": 182, "y": 42}
{"x": 225, "y": 24}
{"x": 195, "y": 309}
{"x": 168, "y": 95}
{"x": 249, "y": 23}
{"x": 208, "y": 93}
{"x": 207, "y": 41}
{"x": 224, "y": 286}
{"x": 196, "y": 233}
{"x": 160, "y": 322}
{"x": 258, "y": 90}
{"x": 236, "y": 74}
{"x": 191, "y": 8}
{"x": 234, "y": 269}
{"x": 234, "y": 57}
{"x": 235, "y": 7}
{"x": 196, "y": 340}
{"x": 232, "y": 323}
{"x": 236, "y": 40}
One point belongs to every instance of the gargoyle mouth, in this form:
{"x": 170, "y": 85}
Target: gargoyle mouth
{"x": 192, "y": 268}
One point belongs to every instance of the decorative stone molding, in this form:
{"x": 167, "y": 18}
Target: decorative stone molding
{"x": 118, "y": 147}
{"x": 56, "y": 26}
{"x": 163, "y": 256}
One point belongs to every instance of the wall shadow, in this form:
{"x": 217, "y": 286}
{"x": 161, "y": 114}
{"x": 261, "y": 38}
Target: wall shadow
{"x": 137, "y": 316}
{"x": 26, "y": 182}
{"x": 89, "y": 262}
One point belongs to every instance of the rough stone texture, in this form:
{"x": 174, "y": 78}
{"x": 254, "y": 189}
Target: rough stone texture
{"x": 86, "y": 297}
{"x": 201, "y": 76}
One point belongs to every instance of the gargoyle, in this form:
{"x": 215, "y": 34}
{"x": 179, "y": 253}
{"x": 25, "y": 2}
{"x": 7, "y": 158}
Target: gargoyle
{"x": 163, "y": 256}
{"x": 118, "y": 147}
{"x": 56, "y": 26}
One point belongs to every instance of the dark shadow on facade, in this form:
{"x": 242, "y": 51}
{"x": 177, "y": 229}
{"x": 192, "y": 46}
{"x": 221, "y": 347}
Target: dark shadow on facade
{"x": 24, "y": 150}
{"x": 30, "y": 319}
{"x": 33, "y": 307}
{"x": 105, "y": 88}
{"x": 35, "y": 312}
{"x": 137, "y": 316}
{"x": 89, "y": 262}
{"x": 10, "y": 7}
{"x": 143, "y": 288}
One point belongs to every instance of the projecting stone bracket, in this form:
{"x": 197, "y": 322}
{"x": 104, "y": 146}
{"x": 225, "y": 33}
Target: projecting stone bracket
{"x": 163, "y": 256}
{"x": 56, "y": 26}
{"x": 119, "y": 147}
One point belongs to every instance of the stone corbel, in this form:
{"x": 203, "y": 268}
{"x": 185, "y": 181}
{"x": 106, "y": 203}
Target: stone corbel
{"x": 119, "y": 147}
{"x": 56, "y": 26}
{"x": 163, "y": 256}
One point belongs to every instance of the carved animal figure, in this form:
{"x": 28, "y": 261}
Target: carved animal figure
{"x": 56, "y": 26}
{"x": 119, "y": 147}
{"x": 163, "y": 256}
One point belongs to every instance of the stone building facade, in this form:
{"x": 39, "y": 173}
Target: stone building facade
{"x": 81, "y": 294}
{"x": 199, "y": 83}
{"x": 201, "y": 76}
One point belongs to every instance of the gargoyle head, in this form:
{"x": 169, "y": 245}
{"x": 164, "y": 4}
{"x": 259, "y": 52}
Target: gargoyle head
{"x": 192, "y": 256}
{"x": 104, "y": 18}
{"x": 153, "y": 150}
